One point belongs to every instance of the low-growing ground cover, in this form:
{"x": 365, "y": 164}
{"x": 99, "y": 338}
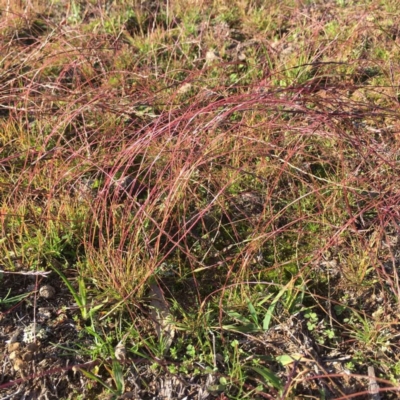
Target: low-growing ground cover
{"x": 199, "y": 199}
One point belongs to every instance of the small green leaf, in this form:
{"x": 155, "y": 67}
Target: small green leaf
{"x": 269, "y": 377}
{"x": 252, "y": 311}
{"x": 288, "y": 359}
{"x": 118, "y": 377}
{"x": 15, "y": 299}
{"x": 90, "y": 375}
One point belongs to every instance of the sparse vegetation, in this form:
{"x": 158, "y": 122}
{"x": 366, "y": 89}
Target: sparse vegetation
{"x": 211, "y": 188}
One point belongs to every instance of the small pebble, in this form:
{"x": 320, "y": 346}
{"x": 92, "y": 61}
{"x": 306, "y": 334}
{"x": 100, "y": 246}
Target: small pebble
{"x": 19, "y": 365}
{"x": 47, "y": 292}
{"x": 13, "y": 346}
{"x": 43, "y": 313}
{"x": 28, "y": 356}
{"x": 32, "y": 347}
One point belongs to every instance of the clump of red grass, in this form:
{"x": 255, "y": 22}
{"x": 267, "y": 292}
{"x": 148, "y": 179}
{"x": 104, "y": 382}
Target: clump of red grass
{"x": 290, "y": 145}
{"x": 309, "y": 163}
{"x": 323, "y": 165}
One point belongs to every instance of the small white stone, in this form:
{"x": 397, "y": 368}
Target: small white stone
{"x": 43, "y": 313}
{"x": 47, "y": 291}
